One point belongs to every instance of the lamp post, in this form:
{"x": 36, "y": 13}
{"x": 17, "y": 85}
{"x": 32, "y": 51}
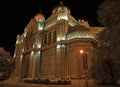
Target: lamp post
{"x": 85, "y": 66}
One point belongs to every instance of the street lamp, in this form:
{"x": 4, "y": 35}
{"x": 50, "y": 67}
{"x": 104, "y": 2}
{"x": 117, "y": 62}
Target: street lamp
{"x": 81, "y": 51}
{"x": 85, "y": 66}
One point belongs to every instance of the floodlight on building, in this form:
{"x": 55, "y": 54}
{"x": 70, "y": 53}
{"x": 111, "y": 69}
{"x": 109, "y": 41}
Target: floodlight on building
{"x": 58, "y": 46}
{"x": 39, "y": 45}
{"x": 32, "y": 52}
{"x": 58, "y": 39}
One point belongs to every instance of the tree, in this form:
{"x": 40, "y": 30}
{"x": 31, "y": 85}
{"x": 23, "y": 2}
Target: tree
{"x": 7, "y": 64}
{"x": 109, "y": 13}
{"x": 107, "y": 66}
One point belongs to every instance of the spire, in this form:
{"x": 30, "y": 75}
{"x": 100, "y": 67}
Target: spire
{"x": 40, "y": 11}
{"x": 61, "y": 3}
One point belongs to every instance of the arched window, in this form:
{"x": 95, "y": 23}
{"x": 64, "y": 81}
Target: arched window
{"x": 45, "y": 39}
{"x": 49, "y": 38}
{"x": 30, "y": 40}
{"x": 54, "y": 36}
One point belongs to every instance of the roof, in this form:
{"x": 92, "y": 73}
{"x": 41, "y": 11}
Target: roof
{"x": 77, "y": 28}
{"x": 39, "y": 16}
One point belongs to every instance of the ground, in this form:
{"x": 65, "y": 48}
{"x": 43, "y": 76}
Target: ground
{"x": 6, "y": 84}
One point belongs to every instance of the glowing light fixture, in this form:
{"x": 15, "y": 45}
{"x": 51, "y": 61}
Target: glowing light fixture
{"x": 33, "y": 46}
{"x": 58, "y": 39}
{"x": 15, "y": 55}
{"x": 21, "y": 56}
{"x": 25, "y": 34}
{"x": 39, "y": 45}
{"x": 63, "y": 38}
{"x": 38, "y": 52}
{"x": 40, "y": 27}
{"x": 23, "y": 50}
{"x": 63, "y": 45}
{"x": 58, "y": 46}
{"x": 63, "y": 17}
{"x": 32, "y": 52}
{"x": 72, "y": 36}
{"x": 81, "y": 51}
{"x": 17, "y": 42}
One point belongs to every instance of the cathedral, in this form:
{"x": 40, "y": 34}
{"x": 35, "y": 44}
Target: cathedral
{"x": 59, "y": 47}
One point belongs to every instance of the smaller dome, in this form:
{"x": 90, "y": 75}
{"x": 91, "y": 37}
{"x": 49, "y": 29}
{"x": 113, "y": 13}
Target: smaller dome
{"x": 78, "y": 31}
{"x": 39, "y": 16}
{"x": 59, "y": 8}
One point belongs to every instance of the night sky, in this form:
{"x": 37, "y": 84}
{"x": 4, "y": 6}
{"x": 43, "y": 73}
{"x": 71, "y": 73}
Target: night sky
{"x": 15, "y": 15}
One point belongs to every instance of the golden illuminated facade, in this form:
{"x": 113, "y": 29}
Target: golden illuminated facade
{"x": 55, "y": 48}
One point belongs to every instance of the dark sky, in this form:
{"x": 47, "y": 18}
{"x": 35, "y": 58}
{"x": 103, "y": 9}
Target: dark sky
{"x": 15, "y": 15}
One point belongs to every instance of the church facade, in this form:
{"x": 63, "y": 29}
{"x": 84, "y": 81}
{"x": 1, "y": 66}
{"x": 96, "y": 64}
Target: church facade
{"x": 59, "y": 47}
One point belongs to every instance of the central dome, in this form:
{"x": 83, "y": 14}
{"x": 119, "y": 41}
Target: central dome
{"x": 60, "y": 7}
